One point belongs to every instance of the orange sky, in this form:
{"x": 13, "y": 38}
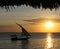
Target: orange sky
{"x": 30, "y": 27}
{"x": 33, "y": 20}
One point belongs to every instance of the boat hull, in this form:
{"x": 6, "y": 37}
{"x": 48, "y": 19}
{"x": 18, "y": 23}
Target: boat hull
{"x": 19, "y": 38}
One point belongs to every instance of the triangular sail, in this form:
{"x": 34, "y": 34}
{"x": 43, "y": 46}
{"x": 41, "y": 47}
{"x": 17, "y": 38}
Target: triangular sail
{"x": 24, "y": 32}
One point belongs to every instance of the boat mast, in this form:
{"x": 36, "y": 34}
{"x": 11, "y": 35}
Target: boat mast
{"x": 24, "y": 32}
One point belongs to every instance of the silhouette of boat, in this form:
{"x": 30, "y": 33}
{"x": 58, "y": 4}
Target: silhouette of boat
{"x": 24, "y": 35}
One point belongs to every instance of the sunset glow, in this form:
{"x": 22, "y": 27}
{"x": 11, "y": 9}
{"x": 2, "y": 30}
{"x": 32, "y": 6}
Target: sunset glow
{"x": 49, "y": 42}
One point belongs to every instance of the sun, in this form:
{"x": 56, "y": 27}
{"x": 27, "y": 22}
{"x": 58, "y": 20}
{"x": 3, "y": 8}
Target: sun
{"x": 49, "y": 24}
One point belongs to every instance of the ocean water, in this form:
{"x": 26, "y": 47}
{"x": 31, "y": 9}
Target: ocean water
{"x": 37, "y": 41}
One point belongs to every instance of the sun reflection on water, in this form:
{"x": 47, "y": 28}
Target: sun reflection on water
{"x": 49, "y": 42}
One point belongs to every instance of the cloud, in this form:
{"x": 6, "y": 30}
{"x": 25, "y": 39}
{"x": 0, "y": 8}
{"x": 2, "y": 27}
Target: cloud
{"x": 43, "y": 20}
